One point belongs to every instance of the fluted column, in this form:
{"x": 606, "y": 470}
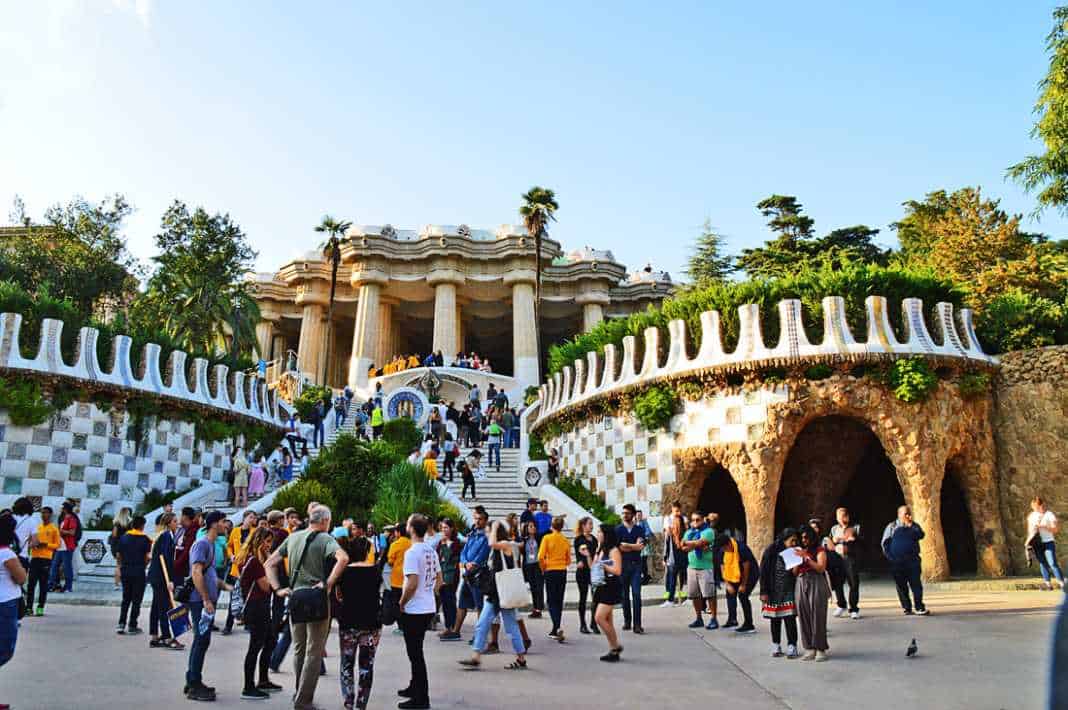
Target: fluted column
{"x": 384, "y": 348}
{"x": 524, "y": 334}
{"x": 365, "y": 334}
{"x": 264, "y": 335}
{"x": 445, "y": 317}
{"x": 278, "y": 348}
{"x": 592, "y": 314}
{"x": 312, "y": 340}
{"x": 459, "y": 335}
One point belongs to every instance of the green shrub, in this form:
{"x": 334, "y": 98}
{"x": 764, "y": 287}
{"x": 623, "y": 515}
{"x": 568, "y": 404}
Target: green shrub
{"x": 536, "y": 448}
{"x": 353, "y": 468}
{"x": 578, "y": 492}
{"x": 446, "y": 509}
{"x": 307, "y": 399}
{"x": 974, "y": 384}
{"x": 403, "y": 434}
{"x": 24, "y": 402}
{"x": 1017, "y": 320}
{"x": 530, "y": 395}
{"x": 655, "y": 406}
{"x": 300, "y": 493}
{"x": 819, "y": 372}
{"x": 155, "y": 498}
{"x": 912, "y": 379}
{"x": 404, "y": 489}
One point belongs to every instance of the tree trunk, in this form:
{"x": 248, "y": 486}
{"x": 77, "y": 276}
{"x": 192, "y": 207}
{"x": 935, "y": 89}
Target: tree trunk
{"x": 537, "y": 298}
{"x": 330, "y": 314}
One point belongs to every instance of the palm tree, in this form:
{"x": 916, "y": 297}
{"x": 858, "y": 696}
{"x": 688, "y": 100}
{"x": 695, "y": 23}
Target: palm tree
{"x": 538, "y": 209}
{"x": 331, "y": 249}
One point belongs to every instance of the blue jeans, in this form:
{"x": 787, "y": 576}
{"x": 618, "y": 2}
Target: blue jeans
{"x": 339, "y": 419}
{"x": 470, "y": 598}
{"x": 485, "y": 622}
{"x": 9, "y": 629}
{"x": 675, "y": 577}
{"x": 495, "y": 450}
{"x": 320, "y": 434}
{"x": 1047, "y": 562}
{"x": 199, "y": 648}
{"x": 65, "y": 558}
{"x": 447, "y": 594}
{"x": 632, "y": 593}
{"x": 281, "y": 648}
{"x": 513, "y": 438}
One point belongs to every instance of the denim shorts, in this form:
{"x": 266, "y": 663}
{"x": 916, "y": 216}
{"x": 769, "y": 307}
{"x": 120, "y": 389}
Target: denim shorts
{"x": 470, "y": 598}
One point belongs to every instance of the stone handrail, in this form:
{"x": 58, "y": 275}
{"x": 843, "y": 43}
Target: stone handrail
{"x": 235, "y": 395}
{"x": 586, "y": 379}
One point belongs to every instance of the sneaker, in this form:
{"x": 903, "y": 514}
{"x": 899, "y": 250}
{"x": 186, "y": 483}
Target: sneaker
{"x": 908, "y": 612}
{"x": 639, "y": 630}
{"x": 776, "y": 650}
{"x": 554, "y": 634}
{"x": 712, "y": 625}
{"x": 854, "y": 615}
{"x": 133, "y": 630}
{"x": 450, "y": 636}
{"x": 254, "y": 694}
{"x": 809, "y": 656}
{"x": 610, "y": 657}
{"x": 120, "y": 629}
{"x": 414, "y": 705}
{"x": 584, "y": 629}
{"x": 201, "y": 694}
{"x": 745, "y": 629}
{"x": 667, "y": 603}
{"x": 626, "y": 626}
{"x": 839, "y": 613}
{"x": 39, "y": 612}
{"x": 729, "y": 623}
{"x": 922, "y": 612}
{"x": 821, "y": 656}
{"x": 268, "y": 687}
{"x": 534, "y": 614}
{"x": 791, "y": 652}
{"x": 696, "y": 624}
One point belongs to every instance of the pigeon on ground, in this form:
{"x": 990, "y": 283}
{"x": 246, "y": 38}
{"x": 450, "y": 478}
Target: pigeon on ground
{"x": 911, "y": 651}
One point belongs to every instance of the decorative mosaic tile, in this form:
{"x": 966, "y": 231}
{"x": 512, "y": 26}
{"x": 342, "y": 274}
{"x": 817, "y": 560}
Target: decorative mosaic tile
{"x": 114, "y": 445}
{"x": 218, "y": 461}
{"x": 62, "y": 424}
{"x": 142, "y": 480}
{"x": 654, "y": 477}
{"x": 734, "y": 415}
{"x": 593, "y": 485}
{"x": 628, "y": 447}
{"x": 3, "y": 431}
{"x": 630, "y": 479}
{"x": 600, "y": 468}
{"x": 172, "y": 453}
{"x": 111, "y": 477}
{"x": 161, "y": 438}
{"x": 42, "y": 437}
{"x": 171, "y": 483}
{"x": 16, "y": 451}
{"x": 157, "y": 467}
{"x": 608, "y": 423}
{"x": 96, "y": 459}
{"x": 12, "y": 486}
{"x": 59, "y": 454}
{"x": 81, "y": 441}
{"x": 93, "y": 490}
{"x": 642, "y": 493}
{"x": 187, "y": 441}
{"x": 100, "y": 429}
{"x": 651, "y": 444}
{"x": 55, "y": 488}
{"x": 77, "y": 473}
{"x": 755, "y": 431}
{"x": 82, "y": 410}
{"x": 129, "y": 463}
{"x": 183, "y": 469}
{"x": 196, "y": 455}
{"x": 610, "y": 482}
{"x": 619, "y": 465}
{"x": 639, "y": 461}
{"x": 37, "y": 469}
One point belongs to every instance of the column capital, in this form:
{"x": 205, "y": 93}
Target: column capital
{"x": 599, "y": 297}
{"x": 309, "y": 295}
{"x": 519, "y": 276}
{"x": 444, "y": 276}
{"x": 367, "y": 275}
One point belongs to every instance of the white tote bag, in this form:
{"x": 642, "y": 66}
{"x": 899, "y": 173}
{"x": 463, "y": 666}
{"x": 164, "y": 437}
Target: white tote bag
{"x": 511, "y": 587}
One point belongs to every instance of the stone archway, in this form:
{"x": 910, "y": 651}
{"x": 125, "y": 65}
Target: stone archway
{"x": 719, "y": 494}
{"x": 957, "y": 527}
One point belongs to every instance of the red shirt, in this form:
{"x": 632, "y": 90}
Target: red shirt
{"x": 69, "y": 523}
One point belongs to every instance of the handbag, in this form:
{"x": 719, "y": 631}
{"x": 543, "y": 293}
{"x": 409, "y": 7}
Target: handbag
{"x": 310, "y": 603}
{"x": 511, "y": 587}
{"x": 185, "y": 592}
{"x": 597, "y": 575}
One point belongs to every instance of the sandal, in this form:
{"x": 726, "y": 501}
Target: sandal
{"x": 518, "y": 664}
{"x": 157, "y": 643}
{"x": 470, "y": 664}
{"x": 176, "y": 645}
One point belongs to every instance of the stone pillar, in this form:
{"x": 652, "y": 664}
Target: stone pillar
{"x": 459, "y": 335}
{"x": 592, "y": 314}
{"x": 278, "y": 348}
{"x": 445, "y": 317}
{"x": 524, "y": 334}
{"x": 312, "y": 340}
{"x": 264, "y": 335}
{"x": 384, "y": 348}
{"x": 365, "y": 334}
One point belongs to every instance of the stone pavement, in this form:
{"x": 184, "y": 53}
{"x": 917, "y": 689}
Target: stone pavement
{"x": 978, "y": 650}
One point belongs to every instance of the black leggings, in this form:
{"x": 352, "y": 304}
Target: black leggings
{"x": 470, "y": 483}
{"x": 257, "y": 618}
{"x": 158, "y": 625}
{"x": 732, "y": 606}
{"x": 583, "y": 582}
{"x": 791, "y": 630}
{"x": 40, "y": 568}
{"x": 133, "y": 592}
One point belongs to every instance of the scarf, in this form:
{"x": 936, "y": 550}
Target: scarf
{"x": 732, "y": 562}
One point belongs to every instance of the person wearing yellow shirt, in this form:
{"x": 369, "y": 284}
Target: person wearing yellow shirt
{"x": 413, "y": 361}
{"x": 554, "y": 556}
{"x": 395, "y": 558}
{"x": 237, "y": 538}
{"x": 43, "y": 545}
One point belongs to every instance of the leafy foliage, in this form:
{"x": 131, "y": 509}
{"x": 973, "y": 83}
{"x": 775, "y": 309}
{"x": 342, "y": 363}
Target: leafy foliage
{"x": 300, "y": 493}
{"x": 536, "y": 448}
{"x": 818, "y": 372}
{"x": 308, "y": 398}
{"x": 578, "y": 492}
{"x": 707, "y": 261}
{"x": 655, "y": 406}
{"x": 353, "y": 468}
{"x": 155, "y": 498}
{"x": 1018, "y": 320}
{"x": 974, "y": 384}
{"x": 405, "y": 489}
{"x": 912, "y": 379}
{"x": 530, "y": 395}
{"x": 24, "y": 402}
{"x": 403, "y": 433}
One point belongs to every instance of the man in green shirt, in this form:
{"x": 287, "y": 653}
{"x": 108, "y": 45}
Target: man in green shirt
{"x": 310, "y": 553}
{"x": 700, "y": 575}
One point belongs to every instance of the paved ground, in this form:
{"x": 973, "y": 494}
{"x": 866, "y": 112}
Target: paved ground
{"x": 978, "y": 650}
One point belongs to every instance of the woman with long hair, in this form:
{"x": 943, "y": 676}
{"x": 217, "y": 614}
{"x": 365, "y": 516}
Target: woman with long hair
{"x": 777, "y": 594}
{"x": 12, "y": 575}
{"x": 240, "y": 464}
{"x": 606, "y": 564}
{"x": 257, "y": 478}
{"x": 159, "y": 629}
{"x": 1042, "y": 526}
{"x": 357, "y": 603}
{"x": 584, "y": 540}
{"x": 813, "y": 593}
{"x": 255, "y": 587}
{"x": 532, "y": 569}
{"x": 119, "y": 527}
{"x": 504, "y": 553}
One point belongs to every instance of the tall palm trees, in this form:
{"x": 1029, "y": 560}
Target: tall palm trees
{"x": 331, "y": 249}
{"x": 538, "y": 209}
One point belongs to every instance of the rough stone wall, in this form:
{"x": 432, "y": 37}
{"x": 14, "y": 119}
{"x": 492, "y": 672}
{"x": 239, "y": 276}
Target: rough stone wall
{"x": 1031, "y": 429}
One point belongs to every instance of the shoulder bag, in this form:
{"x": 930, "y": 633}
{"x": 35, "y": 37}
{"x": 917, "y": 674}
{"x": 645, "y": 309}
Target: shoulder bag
{"x": 597, "y": 575}
{"x": 308, "y": 604}
{"x": 511, "y": 588}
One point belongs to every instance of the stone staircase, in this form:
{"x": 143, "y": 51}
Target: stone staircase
{"x": 499, "y": 492}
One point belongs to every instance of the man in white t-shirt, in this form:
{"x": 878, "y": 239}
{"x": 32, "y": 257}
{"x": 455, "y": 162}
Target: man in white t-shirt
{"x": 1042, "y": 528}
{"x": 418, "y": 603}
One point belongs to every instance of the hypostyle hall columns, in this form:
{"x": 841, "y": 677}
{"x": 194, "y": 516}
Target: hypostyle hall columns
{"x": 312, "y": 339}
{"x": 593, "y": 303}
{"x": 264, "y": 336}
{"x": 365, "y": 343}
{"x": 524, "y": 328}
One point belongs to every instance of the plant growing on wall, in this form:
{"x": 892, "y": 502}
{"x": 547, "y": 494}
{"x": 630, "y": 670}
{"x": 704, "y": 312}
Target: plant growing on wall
{"x": 911, "y": 379}
{"x": 307, "y": 399}
{"x": 24, "y": 402}
{"x": 974, "y": 384}
{"x": 536, "y": 448}
{"x": 571, "y": 486}
{"x": 655, "y": 406}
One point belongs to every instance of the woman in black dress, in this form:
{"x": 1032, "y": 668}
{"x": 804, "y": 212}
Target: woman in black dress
{"x": 609, "y": 560}
{"x": 356, "y": 607}
{"x": 584, "y": 540}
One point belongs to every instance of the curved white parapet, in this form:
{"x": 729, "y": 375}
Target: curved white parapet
{"x": 249, "y": 399}
{"x": 955, "y": 340}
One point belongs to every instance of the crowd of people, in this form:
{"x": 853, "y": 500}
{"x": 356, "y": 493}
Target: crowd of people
{"x": 400, "y": 363}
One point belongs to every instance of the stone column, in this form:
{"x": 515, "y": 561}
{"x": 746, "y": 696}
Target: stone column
{"x": 365, "y": 334}
{"x": 445, "y": 316}
{"x": 524, "y": 334}
{"x": 312, "y": 340}
{"x": 384, "y": 348}
{"x": 278, "y": 348}
{"x": 459, "y": 335}
{"x": 592, "y": 314}
{"x": 264, "y": 335}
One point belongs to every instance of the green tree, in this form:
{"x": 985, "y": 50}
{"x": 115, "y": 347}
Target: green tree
{"x": 198, "y": 292}
{"x": 538, "y": 209}
{"x": 1048, "y": 172}
{"x": 78, "y": 253}
{"x": 331, "y": 249}
{"x": 707, "y": 261}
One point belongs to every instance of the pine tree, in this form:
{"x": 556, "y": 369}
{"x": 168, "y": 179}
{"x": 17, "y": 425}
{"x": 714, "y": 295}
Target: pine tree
{"x": 707, "y": 262}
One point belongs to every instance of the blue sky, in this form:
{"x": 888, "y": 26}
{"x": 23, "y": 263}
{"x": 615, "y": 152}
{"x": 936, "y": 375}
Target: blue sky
{"x": 645, "y": 121}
